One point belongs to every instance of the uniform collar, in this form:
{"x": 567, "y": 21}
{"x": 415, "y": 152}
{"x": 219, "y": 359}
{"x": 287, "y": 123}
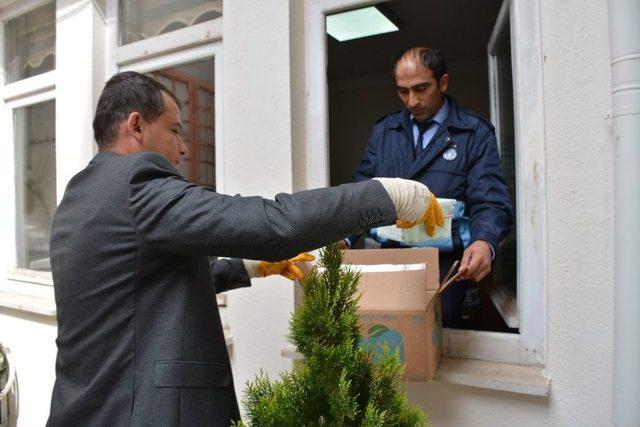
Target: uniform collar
{"x": 440, "y": 116}
{"x": 453, "y": 119}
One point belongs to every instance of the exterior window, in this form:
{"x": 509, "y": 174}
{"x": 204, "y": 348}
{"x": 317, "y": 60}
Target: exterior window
{"x": 142, "y": 19}
{"x": 30, "y": 43}
{"x": 508, "y": 326}
{"x": 193, "y": 84}
{"x": 34, "y": 129}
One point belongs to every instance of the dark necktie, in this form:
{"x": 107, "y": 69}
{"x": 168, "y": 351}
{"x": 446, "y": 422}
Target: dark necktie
{"x": 422, "y": 128}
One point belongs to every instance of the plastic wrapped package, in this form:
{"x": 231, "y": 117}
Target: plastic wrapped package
{"x": 418, "y": 235}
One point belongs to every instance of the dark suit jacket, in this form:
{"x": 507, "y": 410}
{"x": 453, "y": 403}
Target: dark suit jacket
{"x": 139, "y": 336}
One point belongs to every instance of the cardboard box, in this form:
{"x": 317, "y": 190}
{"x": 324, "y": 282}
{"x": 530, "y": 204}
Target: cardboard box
{"x": 397, "y": 286}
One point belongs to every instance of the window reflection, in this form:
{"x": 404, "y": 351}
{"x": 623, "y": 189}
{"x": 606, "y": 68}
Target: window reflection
{"x": 30, "y": 43}
{"x": 142, "y": 19}
{"x": 36, "y": 182}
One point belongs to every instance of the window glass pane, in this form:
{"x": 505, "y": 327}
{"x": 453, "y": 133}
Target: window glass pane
{"x": 141, "y": 19}
{"x": 30, "y": 43}
{"x": 506, "y": 266}
{"x": 193, "y": 85}
{"x": 34, "y": 128}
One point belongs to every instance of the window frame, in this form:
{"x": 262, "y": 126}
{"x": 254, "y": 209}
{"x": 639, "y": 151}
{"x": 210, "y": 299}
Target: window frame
{"x": 179, "y": 47}
{"x": 504, "y": 300}
{"x": 21, "y": 93}
{"x": 528, "y": 347}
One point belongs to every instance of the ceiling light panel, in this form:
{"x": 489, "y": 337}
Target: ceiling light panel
{"x": 355, "y": 24}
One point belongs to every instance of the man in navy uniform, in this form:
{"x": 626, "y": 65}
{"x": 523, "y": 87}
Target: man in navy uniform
{"x": 453, "y": 151}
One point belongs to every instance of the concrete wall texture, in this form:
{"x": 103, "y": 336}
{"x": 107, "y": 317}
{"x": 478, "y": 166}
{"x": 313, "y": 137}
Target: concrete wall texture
{"x": 257, "y": 161}
{"x": 263, "y": 90}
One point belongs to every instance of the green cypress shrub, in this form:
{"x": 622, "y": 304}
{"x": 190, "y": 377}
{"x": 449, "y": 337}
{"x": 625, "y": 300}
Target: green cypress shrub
{"x": 338, "y": 384}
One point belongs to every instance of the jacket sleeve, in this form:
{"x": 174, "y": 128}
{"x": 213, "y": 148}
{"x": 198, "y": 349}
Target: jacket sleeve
{"x": 175, "y": 216}
{"x": 487, "y": 198}
{"x": 229, "y": 274}
{"x": 366, "y": 169}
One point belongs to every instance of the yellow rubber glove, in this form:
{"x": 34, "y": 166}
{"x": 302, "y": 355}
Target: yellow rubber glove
{"x": 286, "y": 268}
{"x": 432, "y": 217}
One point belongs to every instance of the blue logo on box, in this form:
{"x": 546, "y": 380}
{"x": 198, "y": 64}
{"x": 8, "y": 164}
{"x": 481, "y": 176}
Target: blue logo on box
{"x": 380, "y": 336}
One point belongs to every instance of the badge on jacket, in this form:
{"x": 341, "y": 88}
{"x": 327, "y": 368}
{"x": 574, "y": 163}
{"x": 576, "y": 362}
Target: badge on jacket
{"x": 450, "y": 154}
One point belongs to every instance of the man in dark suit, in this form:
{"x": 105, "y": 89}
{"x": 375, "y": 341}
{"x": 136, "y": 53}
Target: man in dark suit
{"x": 139, "y": 336}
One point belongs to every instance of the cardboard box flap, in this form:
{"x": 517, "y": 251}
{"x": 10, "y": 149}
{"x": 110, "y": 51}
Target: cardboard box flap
{"x": 393, "y": 290}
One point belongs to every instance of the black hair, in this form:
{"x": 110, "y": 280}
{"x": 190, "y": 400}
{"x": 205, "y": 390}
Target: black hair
{"x": 125, "y": 93}
{"x": 430, "y": 57}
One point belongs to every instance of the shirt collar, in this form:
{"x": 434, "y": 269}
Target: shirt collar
{"x": 440, "y": 116}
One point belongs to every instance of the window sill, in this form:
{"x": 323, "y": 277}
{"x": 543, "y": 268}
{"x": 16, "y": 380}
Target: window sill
{"x": 31, "y": 276}
{"x": 43, "y": 306}
{"x": 290, "y": 352}
{"x": 221, "y": 299}
{"x": 494, "y": 376}
{"x": 228, "y": 339}
{"x": 528, "y": 380}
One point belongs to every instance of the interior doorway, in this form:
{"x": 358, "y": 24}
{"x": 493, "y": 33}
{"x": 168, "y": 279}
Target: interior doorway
{"x": 361, "y": 90}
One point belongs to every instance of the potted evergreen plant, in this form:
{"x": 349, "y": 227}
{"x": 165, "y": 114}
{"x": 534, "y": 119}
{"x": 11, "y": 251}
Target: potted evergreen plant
{"x": 338, "y": 384}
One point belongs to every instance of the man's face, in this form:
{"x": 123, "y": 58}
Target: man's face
{"x": 163, "y": 135}
{"x": 418, "y": 89}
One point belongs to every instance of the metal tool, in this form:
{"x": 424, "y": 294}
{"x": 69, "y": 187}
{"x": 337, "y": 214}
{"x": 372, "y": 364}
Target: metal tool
{"x": 449, "y": 279}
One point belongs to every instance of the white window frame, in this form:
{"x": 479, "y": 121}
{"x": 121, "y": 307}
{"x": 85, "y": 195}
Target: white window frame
{"x": 22, "y": 93}
{"x": 529, "y": 346}
{"x": 189, "y": 44}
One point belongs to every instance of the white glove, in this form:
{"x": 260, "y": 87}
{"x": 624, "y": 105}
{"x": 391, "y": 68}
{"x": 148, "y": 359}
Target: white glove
{"x": 411, "y": 198}
{"x": 252, "y": 267}
{"x": 414, "y": 203}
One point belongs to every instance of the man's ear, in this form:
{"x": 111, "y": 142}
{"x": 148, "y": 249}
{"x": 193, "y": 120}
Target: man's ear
{"x": 134, "y": 125}
{"x": 443, "y": 83}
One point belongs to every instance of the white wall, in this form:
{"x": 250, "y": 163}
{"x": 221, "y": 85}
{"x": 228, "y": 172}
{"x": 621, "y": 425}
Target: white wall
{"x": 579, "y": 168}
{"x": 257, "y": 161}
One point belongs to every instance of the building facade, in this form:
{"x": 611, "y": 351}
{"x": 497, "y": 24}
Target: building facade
{"x": 260, "y": 107}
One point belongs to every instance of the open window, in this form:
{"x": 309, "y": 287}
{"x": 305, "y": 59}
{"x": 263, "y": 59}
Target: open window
{"x": 486, "y": 46}
{"x": 362, "y": 89}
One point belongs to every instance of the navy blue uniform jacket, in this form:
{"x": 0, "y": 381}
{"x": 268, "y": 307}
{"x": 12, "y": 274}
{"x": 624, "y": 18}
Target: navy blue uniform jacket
{"x": 473, "y": 175}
